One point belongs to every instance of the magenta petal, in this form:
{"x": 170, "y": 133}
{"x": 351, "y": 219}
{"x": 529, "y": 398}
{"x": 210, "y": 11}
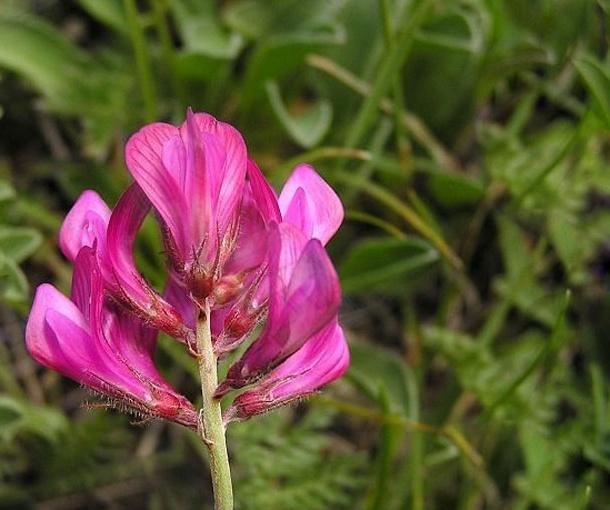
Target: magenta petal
{"x": 84, "y": 225}
{"x": 102, "y": 348}
{"x": 125, "y": 222}
{"x": 250, "y": 247}
{"x": 313, "y": 296}
{"x": 144, "y": 156}
{"x": 324, "y": 358}
{"x": 317, "y": 208}
{"x": 262, "y": 194}
{"x": 298, "y": 214}
{"x": 304, "y": 295}
{"x": 259, "y": 209}
{"x": 180, "y": 299}
{"x": 129, "y": 286}
{"x": 41, "y": 341}
{"x": 225, "y": 162}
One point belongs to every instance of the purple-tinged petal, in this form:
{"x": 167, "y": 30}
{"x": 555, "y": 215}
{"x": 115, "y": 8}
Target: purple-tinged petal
{"x": 109, "y": 352}
{"x": 324, "y": 358}
{"x": 298, "y": 214}
{"x": 250, "y": 246}
{"x": 316, "y": 208}
{"x": 262, "y": 194}
{"x": 304, "y": 295}
{"x": 144, "y": 155}
{"x": 179, "y": 298}
{"x": 225, "y": 162}
{"x": 129, "y": 287}
{"x": 84, "y": 225}
{"x": 40, "y": 339}
{"x": 259, "y": 210}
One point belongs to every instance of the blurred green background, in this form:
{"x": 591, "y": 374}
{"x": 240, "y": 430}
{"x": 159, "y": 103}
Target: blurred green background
{"x": 468, "y": 140}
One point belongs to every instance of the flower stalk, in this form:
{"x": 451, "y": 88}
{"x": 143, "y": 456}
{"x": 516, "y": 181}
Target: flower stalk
{"x": 211, "y": 426}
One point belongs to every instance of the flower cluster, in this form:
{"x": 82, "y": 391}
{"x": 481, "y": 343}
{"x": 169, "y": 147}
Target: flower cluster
{"x": 254, "y": 260}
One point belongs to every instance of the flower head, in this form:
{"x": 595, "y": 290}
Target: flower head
{"x": 250, "y": 261}
{"x": 100, "y": 346}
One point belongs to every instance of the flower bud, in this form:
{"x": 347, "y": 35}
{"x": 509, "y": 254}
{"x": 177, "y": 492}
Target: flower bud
{"x": 227, "y": 289}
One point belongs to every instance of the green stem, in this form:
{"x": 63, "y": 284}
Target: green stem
{"x": 413, "y": 124}
{"x": 212, "y": 427}
{"x": 142, "y": 60}
{"x": 402, "y": 142}
{"x": 389, "y": 67}
{"x": 160, "y": 9}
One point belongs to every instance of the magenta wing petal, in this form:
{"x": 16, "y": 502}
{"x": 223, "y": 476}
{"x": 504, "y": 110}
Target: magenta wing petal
{"x": 307, "y": 201}
{"x": 179, "y": 298}
{"x": 144, "y": 157}
{"x": 129, "y": 286}
{"x": 304, "y": 295}
{"x": 101, "y": 348}
{"x": 42, "y": 341}
{"x": 84, "y": 225}
{"x": 262, "y": 194}
{"x": 224, "y": 164}
{"x": 324, "y": 358}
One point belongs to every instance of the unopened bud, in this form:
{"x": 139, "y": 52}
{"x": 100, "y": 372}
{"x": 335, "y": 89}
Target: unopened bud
{"x": 227, "y": 289}
{"x": 239, "y": 323}
{"x": 200, "y": 284}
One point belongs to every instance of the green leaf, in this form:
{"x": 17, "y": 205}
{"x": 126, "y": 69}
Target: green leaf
{"x": 201, "y": 31}
{"x": 259, "y": 18}
{"x": 454, "y": 190}
{"x": 287, "y": 464}
{"x": 372, "y": 367}
{"x": 597, "y": 80}
{"x": 13, "y": 283}
{"x": 71, "y": 80}
{"x": 307, "y": 128}
{"x": 19, "y": 417}
{"x": 109, "y": 12}
{"x": 6, "y": 190}
{"x": 375, "y": 264}
{"x": 280, "y": 55}
{"x": 18, "y": 243}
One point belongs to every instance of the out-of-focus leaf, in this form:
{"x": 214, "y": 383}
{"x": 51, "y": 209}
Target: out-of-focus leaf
{"x": 6, "y": 190}
{"x": 13, "y": 283}
{"x": 372, "y": 366}
{"x": 279, "y": 55}
{"x": 260, "y": 18}
{"x": 18, "y": 243}
{"x": 71, "y": 80}
{"x": 454, "y": 190}
{"x": 201, "y": 31}
{"x": 572, "y": 247}
{"x": 597, "y": 80}
{"x": 382, "y": 263}
{"x": 489, "y": 375}
{"x": 109, "y": 12}
{"x": 308, "y": 127}
{"x": 544, "y": 462}
{"x": 17, "y": 417}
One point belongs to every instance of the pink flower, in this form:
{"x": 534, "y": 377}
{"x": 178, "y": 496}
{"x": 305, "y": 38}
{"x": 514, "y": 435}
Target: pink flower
{"x": 194, "y": 176}
{"x": 90, "y": 222}
{"x": 324, "y": 358}
{"x": 234, "y": 248}
{"x": 310, "y": 204}
{"x": 303, "y": 297}
{"x": 101, "y": 346}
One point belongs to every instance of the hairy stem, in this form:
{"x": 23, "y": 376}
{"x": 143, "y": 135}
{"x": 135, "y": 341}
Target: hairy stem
{"x": 212, "y": 428}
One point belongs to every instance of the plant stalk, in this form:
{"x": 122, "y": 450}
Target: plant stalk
{"x": 142, "y": 60}
{"x": 211, "y": 426}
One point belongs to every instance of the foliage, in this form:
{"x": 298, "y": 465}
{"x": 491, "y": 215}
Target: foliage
{"x": 468, "y": 141}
